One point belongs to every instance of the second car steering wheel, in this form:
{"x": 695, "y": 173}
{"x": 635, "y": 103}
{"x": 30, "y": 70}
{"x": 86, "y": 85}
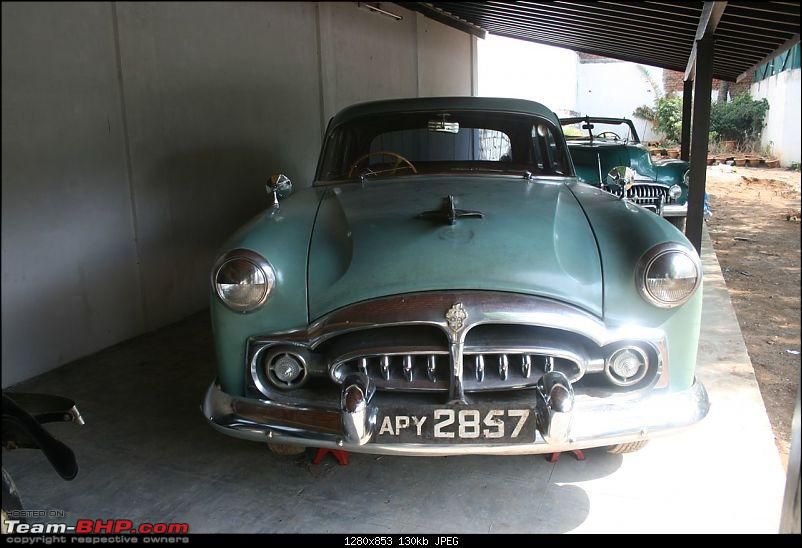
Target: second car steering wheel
{"x": 616, "y": 136}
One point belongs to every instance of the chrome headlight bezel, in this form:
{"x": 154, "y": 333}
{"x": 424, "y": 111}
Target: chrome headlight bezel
{"x": 256, "y": 261}
{"x": 648, "y": 260}
{"x": 674, "y": 191}
{"x": 686, "y": 177}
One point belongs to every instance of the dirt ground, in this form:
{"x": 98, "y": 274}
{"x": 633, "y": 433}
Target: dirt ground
{"x": 758, "y": 248}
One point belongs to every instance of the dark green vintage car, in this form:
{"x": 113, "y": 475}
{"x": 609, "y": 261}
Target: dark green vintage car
{"x": 600, "y": 147}
{"x": 446, "y": 285}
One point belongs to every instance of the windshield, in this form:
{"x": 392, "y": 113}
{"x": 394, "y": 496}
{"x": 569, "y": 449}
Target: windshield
{"x": 443, "y": 142}
{"x": 578, "y": 130}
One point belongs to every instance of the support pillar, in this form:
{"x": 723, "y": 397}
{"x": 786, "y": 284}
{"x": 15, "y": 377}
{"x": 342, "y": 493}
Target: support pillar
{"x": 700, "y": 127}
{"x": 685, "y": 135}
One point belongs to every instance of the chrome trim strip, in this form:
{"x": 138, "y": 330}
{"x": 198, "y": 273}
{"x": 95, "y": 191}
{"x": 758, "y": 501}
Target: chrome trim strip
{"x": 594, "y": 422}
{"x": 483, "y": 307}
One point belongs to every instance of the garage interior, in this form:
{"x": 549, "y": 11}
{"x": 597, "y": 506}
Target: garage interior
{"x": 137, "y": 137}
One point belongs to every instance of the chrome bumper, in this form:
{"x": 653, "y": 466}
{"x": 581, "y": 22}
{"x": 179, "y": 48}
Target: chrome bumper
{"x": 564, "y": 422}
{"x": 675, "y": 210}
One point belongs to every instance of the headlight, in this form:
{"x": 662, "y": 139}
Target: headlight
{"x": 686, "y": 177}
{"x": 675, "y": 191}
{"x": 243, "y": 280}
{"x": 668, "y": 274}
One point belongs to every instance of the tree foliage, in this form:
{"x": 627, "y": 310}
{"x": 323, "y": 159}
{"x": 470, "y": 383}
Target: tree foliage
{"x": 741, "y": 119}
{"x": 668, "y": 117}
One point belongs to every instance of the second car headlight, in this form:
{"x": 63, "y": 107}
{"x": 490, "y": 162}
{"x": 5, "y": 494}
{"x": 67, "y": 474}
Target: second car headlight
{"x": 243, "y": 280}
{"x": 668, "y": 275}
{"x": 675, "y": 191}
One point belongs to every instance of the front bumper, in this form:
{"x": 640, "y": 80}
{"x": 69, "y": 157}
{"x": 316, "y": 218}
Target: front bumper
{"x": 675, "y": 210}
{"x": 587, "y": 422}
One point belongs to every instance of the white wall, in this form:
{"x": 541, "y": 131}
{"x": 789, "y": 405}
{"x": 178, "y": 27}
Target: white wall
{"x": 443, "y": 68}
{"x": 555, "y": 77}
{"x": 782, "y": 131}
{"x": 138, "y": 136}
{"x": 616, "y": 89}
{"x": 525, "y": 70}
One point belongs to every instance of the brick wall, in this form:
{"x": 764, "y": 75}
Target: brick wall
{"x": 672, "y": 82}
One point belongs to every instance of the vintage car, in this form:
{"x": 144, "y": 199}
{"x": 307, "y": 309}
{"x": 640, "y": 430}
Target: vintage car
{"x": 446, "y": 285}
{"x": 602, "y": 147}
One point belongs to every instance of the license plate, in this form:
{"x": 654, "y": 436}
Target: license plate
{"x": 475, "y": 424}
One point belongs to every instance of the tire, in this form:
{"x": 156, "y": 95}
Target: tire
{"x": 630, "y": 447}
{"x": 678, "y": 222}
{"x": 286, "y": 449}
{"x": 11, "y": 501}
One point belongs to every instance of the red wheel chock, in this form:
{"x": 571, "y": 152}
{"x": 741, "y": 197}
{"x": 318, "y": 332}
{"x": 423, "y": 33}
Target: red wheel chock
{"x": 341, "y": 456}
{"x": 554, "y": 457}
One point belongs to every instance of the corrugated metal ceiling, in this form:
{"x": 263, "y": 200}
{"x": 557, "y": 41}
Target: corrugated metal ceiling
{"x": 653, "y": 33}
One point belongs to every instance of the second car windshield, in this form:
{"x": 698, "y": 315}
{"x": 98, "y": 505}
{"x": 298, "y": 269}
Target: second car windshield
{"x": 602, "y": 131}
{"x": 443, "y": 142}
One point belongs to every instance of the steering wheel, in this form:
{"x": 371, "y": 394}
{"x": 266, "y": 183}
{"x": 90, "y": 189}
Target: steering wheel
{"x": 398, "y": 161}
{"x": 616, "y": 136}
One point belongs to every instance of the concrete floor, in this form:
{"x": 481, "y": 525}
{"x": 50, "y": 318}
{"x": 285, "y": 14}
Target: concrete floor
{"x": 146, "y": 454}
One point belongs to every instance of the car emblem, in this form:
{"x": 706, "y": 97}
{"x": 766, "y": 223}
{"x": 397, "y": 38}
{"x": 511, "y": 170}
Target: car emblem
{"x": 455, "y": 317}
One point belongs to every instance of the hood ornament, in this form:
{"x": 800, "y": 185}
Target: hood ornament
{"x": 448, "y": 212}
{"x": 456, "y": 316}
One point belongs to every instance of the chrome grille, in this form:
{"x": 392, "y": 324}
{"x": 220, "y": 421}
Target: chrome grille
{"x": 646, "y": 195}
{"x": 393, "y": 370}
{"x": 483, "y": 370}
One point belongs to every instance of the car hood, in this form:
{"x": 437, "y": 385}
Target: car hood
{"x": 533, "y": 238}
{"x": 588, "y": 157}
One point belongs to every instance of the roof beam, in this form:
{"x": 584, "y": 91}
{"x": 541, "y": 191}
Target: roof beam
{"x": 443, "y": 17}
{"x": 790, "y": 8}
{"x": 622, "y": 11}
{"x": 569, "y": 11}
{"x": 688, "y": 12}
{"x": 593, "y": 50}
{"x": 587, "y": 34}
{"x": 711, "y": 15}
{"x": 567, "y": 38}
{"x": 779, "y": 28}
{"x": 537, "y": 14}
{"x": 791, "y": 42}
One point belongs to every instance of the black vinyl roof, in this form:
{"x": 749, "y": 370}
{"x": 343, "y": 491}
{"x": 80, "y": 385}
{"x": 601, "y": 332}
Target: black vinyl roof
{"x": 661, "y": 34}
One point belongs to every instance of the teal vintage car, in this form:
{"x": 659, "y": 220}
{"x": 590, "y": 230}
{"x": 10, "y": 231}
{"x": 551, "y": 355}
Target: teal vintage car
{"x": 601, "y": 147}
{"x": 446, "y": 285}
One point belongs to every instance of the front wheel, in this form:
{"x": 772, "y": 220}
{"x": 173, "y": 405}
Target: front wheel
{"x": 286, "y": 449}
{"x": 630, "y": 447}
{"x": 678, "y": 222}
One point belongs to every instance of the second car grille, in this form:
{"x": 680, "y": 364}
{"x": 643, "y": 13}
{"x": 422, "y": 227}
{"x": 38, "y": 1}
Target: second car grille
{"x": 645, "y": 195}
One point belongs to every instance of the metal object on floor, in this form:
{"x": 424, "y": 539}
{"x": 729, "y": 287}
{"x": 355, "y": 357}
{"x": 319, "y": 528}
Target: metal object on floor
{"x": 341, "y": 456}
{"x": 554, "y": 457}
